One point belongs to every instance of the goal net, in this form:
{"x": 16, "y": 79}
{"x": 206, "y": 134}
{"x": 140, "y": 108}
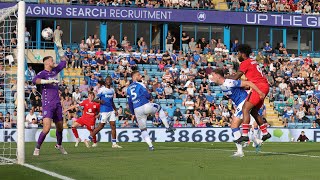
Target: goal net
{"x": 12, "y": 110}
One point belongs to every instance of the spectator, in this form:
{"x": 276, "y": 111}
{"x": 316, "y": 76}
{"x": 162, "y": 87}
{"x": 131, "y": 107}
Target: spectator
{"x": 168, "y": 92}
{"x": 189, "y": 104}
{"x": 235, "y": 44}
{"x": 90, "y": 41}
{"x": 267, "y": 48}
{"x": 302, "y": 137}
{"x": 185, "y": 42}
{"x": 170, "y": 40}
{"x": 160, "y": 92}
{"x": 29, "y": 118}
{"x": 34, "y": 123}
{"x": 27, "y": 37}
{"x": 36, "y": 104}
{"x": 96, "y": 41}
{"x": 157, "y": 122}
{"x": 30, "y": 74}
{"x": 83, "y": 45}
{"x": 177, "y": 124}
{"x": 57, "y": 34}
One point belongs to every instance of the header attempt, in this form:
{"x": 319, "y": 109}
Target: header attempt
{"x": 169, "y": 15}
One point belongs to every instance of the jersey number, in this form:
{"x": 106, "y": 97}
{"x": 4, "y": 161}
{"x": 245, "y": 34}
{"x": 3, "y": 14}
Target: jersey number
{"x": 133, "y": 94}
{"x": 260, "y": 71}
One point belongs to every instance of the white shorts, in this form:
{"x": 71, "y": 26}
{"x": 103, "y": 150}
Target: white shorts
{"x": 239, "y": 113}
{"x": 107, "y": 117}
{"x": 142, "y": 113}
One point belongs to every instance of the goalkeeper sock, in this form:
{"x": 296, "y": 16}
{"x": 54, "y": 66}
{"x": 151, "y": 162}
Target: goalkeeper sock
{"x": 59, "y": 137}
{"x": 41, "y": 138}
{"x": 75, "y": 132}
{"x": 146, "y": 137}
{"x": 94, "y": 139}
{"x": 163, "y": 118}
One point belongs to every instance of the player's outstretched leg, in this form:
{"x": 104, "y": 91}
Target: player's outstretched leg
{"x": 90, "y": 128}
{"x": 42, "y": 136}
{"x": 75, "y": 132}
{"x": 246, "y": 120}
{"x": 114, "y": 135}
{"x": 94, "y": 132}
{"x": 263, "y": 127}
{"x": 163, "y": 117}
{"x": 236, "y": 135}
{"x": 59, "y": 130}
{"x": 146, "y": 137}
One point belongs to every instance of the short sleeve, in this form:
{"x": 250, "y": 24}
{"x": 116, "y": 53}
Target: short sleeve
{"x": 244, "y": 67}
{"x": 232, "y": 83}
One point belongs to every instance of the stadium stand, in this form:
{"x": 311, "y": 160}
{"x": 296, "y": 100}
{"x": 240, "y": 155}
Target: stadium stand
{"x": 177, "y": 80}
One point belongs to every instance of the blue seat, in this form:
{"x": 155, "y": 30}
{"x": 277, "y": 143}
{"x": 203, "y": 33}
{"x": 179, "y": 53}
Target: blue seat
{"x": 178, "y": 101}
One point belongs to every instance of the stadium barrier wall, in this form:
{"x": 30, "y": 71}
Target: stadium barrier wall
{"x": 159, "y": 135}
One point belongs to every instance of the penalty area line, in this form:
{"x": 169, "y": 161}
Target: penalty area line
{"x": 229, "y": 150}
{"x": 50, "y": 173}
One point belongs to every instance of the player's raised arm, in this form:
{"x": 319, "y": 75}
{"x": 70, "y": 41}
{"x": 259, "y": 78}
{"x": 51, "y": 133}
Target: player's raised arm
{"x": 71, "y": 107}
{"x": 254, "y": 87}
{"x": 235, "y": 76}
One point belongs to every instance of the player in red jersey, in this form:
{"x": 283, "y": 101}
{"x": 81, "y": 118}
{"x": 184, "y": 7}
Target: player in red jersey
{"x": 250, "y": 68}
{"x": 88, "y": 118}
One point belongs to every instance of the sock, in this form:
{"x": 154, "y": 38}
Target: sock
{"x": 263, "y": 129}
{"x": 236, "y": 135}
{"x": 94, "y": 139}
{"x": 114, "y": 141}
{"x": 239, "y": 147}
{"x": 75, "y": 132}
{"x": 245, "y": 129}
{"x": 146, "y": 138}
{"x": 163, "y": 117}
{"x": 41, "y": 138}
{"x": 255, "y": 132}
{"x": 59, "y": 137}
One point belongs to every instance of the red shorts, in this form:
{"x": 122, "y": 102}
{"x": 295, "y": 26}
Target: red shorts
{"x": 254, "y": 97}
{"x": 86, "y": 121}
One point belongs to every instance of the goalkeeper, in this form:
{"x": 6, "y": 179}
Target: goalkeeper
{"x": 51, "y": 105}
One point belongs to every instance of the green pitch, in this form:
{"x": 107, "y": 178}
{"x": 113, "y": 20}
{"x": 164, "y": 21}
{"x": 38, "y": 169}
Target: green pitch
{"x": 172, "y": 161}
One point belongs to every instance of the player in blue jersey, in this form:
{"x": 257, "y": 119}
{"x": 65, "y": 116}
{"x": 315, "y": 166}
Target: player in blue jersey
{"x": 140, "y": 106}
{"x": 108, "y": 110}
{"x": 234, "y": 90}
{"x": 51, "y": 105}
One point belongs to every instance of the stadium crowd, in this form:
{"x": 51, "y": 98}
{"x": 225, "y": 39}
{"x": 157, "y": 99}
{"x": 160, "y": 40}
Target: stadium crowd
{"x": 177, "y": 79}
{"x": 285, "y": 6}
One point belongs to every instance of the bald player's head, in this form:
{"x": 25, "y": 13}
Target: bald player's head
{"x": 136, "y": 76}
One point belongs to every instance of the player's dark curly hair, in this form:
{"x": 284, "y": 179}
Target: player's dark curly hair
{"x": 245, "y": 48}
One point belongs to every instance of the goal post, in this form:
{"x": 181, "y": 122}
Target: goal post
{"x": 21, "y": 23}
{"x": 12, "y": 84}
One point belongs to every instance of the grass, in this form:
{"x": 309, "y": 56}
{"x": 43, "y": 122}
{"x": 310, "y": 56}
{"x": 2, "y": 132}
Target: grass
{"x": 172, "y": 161}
